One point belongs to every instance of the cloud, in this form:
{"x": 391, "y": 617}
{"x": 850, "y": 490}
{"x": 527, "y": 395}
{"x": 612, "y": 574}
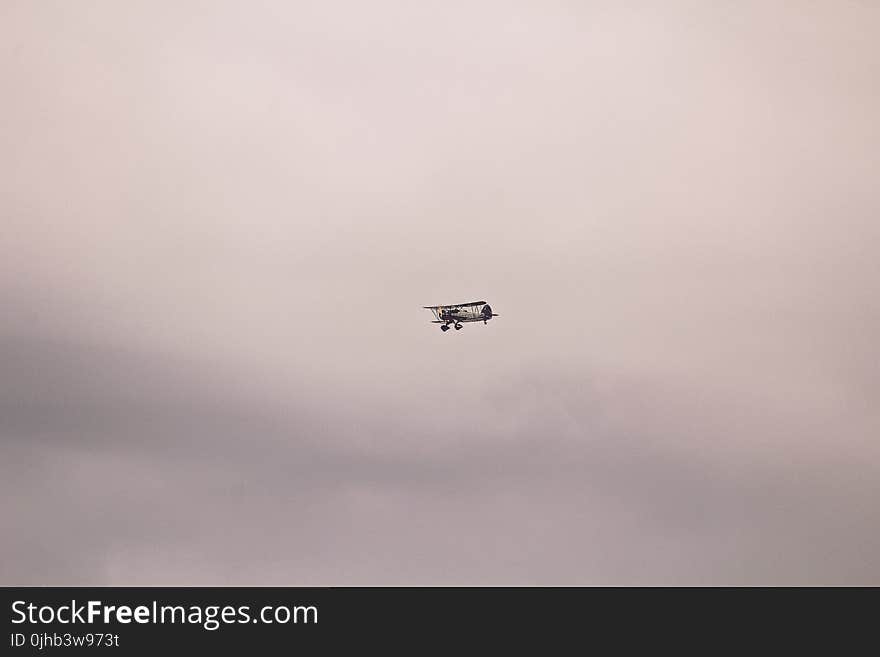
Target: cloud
{"x": 220, "y": 231}
{"x": 131, "y": 469}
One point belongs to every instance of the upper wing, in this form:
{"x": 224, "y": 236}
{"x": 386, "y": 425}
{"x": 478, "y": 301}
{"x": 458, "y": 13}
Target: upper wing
{"x": 457, "y": 305}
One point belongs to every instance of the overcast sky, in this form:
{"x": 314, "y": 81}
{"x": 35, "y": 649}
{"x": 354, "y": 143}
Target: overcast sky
{"x": 220, "y": 221}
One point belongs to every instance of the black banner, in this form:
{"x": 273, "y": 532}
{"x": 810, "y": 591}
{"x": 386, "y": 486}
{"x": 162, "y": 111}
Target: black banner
{"x": 148, "y": 620}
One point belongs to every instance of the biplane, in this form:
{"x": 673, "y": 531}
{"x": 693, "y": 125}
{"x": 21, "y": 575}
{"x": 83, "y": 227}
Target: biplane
{"x": 456, "y": 314}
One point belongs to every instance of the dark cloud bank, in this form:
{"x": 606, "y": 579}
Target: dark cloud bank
{"x": 124, "y": 467}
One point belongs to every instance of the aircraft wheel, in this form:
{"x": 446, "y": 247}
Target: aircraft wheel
{"x": 458, "y": 327}
{"x": 444, "y": 328}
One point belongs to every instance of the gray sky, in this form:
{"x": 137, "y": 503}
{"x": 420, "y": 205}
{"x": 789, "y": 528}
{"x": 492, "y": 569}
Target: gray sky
{"x": 221, "y": 220}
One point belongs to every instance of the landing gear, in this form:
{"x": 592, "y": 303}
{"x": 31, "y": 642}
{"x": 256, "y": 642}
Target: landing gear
{"x": 458, "y": 327}
{"x": 444, "y": 328}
